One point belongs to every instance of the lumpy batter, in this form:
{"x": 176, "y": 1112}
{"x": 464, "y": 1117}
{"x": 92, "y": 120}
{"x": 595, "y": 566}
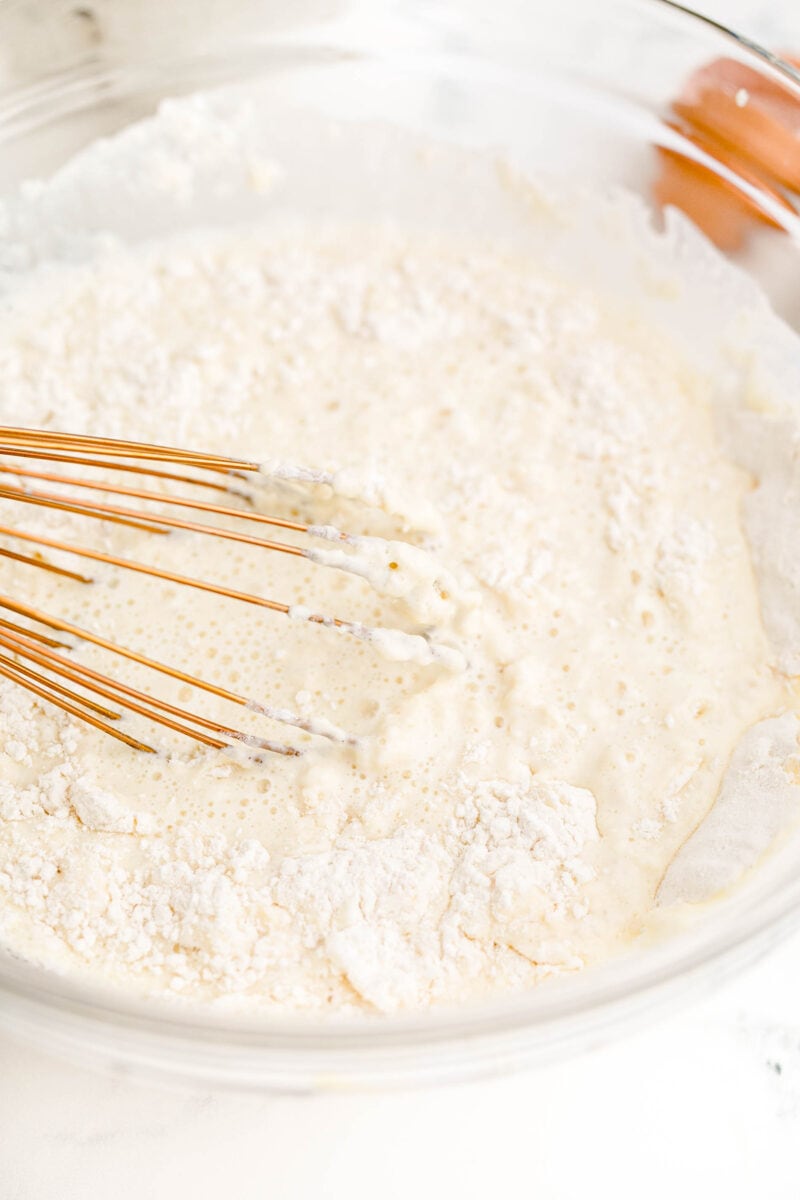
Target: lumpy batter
{"x": 511, "y": 803}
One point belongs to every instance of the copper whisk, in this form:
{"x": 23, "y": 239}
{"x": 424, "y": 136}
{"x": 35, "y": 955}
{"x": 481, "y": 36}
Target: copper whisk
{"x": 40, "y": 662}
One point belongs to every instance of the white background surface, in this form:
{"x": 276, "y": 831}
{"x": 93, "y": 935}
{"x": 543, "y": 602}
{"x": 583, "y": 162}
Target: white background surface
{"x": 705, "y": 1104}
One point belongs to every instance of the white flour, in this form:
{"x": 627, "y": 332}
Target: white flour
{"x": 404, "y": 919}
{"x": 565, "y": 529}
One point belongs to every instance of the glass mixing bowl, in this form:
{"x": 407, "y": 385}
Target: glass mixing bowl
{"x": 577, "y": 90}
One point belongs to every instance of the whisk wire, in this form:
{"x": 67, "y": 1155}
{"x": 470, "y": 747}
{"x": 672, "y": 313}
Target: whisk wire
{"x": 140, "y": 458}
{"x": 43, "y": 564}
{"x": 20, "y": 637}
{"x": 128, "y": 564}
{"x": 114, "y": 690}
{"x": 66, "y": 442}
{"x": 48, "y": 694}
{"x": 156, "y": 497}
{"x": 108, "y": 713}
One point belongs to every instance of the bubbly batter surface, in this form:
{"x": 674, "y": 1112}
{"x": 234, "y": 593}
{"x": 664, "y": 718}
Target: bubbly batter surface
{"x": 508, "y": 814}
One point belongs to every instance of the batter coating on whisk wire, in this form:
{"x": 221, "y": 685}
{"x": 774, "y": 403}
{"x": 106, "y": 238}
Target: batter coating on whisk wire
{"x": 393, "y": 568}
{"x": 568, "y": 553}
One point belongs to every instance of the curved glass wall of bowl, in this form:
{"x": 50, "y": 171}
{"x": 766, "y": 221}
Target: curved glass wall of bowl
{"x": 586, "y": 95}
{"x": 581, "y": 90}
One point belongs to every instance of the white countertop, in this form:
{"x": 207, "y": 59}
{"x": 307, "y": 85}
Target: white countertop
{"x": 704, "y": 1104}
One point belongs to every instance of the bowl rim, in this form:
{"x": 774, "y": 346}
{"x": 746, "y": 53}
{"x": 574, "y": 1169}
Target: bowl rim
{"x": 660, "y": 968}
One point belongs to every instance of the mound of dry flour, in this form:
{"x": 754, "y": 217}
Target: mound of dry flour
{"x": 507, "y": 814}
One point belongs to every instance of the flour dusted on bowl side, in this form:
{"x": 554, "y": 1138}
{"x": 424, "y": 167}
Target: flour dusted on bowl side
{"x": 559, "y": 660}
